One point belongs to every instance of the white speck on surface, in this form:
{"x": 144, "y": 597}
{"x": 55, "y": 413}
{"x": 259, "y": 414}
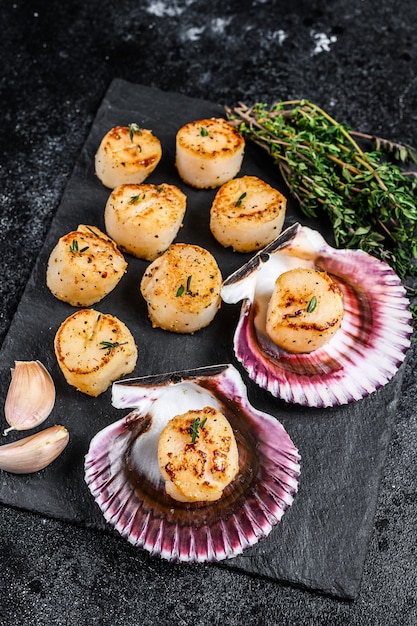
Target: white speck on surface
{"x": 322, "y": 42}
{"x": 218, "y": 25}
{"x": 160, "y": 8}
{"x": 192, "y": 34}
{"x": 279, "y": 36}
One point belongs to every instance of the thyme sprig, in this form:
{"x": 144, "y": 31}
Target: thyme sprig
{"x": 181, "y": 289}
{"x": 110, "y": 345}
{"x": 195, "y": 425}
{"x": 74, "y": 249}
{"x": 370, "y": 201}
{"x": 312, "y": 304}
{"x": 134, "y": 129}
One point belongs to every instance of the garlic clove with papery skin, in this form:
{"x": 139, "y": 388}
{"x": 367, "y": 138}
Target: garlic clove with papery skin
{"x": 30, "y": 397}
{"x": 35, "y": 452}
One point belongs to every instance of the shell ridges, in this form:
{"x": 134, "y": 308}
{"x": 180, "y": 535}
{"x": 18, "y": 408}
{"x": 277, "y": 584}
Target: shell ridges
{"x": 363, "y": 355}
{"x": 143, "y": 513}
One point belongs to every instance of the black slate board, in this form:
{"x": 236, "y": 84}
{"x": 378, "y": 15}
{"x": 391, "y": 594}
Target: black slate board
{"x": 321, "y": 542}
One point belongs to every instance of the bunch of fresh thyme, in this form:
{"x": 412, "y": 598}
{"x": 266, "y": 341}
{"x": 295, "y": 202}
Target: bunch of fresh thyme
{"x": 369, "y": 199}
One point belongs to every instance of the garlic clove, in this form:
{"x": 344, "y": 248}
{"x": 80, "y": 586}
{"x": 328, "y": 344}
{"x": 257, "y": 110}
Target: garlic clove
{"x": 35, "y": 452}
{"x": 30, "y": 397}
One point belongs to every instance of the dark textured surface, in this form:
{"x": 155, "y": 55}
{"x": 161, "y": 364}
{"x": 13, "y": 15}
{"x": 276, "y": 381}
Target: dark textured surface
{"x": 356, "y": 59}
{"x": 322, "y": 542}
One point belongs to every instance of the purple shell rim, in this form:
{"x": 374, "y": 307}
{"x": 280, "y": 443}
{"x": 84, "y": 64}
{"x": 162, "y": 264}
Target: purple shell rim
{"x": 196, "y": 534}
{"x": 364, "y": 354}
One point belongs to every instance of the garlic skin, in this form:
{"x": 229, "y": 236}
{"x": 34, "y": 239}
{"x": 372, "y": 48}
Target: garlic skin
{"x": 30, "y": 397}
{"x": 35, "y": 452}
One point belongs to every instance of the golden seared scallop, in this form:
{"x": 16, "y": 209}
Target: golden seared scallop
{"x": 209, "y": 152}
{"x": 305, "y": 310}
{"x": 93, "y": 349}
{"x": 247, "y": 214}
{"x": 145, "y": 219}
{"x": 84, "y": 266}
{"x": 198, "y": 455}
{"x": 127, "y": 155}
{"x": 182, "y": 288}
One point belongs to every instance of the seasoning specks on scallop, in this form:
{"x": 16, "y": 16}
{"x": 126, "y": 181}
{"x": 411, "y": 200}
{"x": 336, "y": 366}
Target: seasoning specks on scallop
{"x": 305, "y": 310}
{"x": 182, "y": 288}
{"x": 364, "y": 353}
{"x": 198, "y": 455}
{"x": 122, "y": 469}
{"x": 247, "y": 214}
{"x": 84, "y": 266}
{"x": 93, "y": 349}
{"x": 127, "y": 155}
{"x": 209, "y": 152}
{"x": 144, "y": 219}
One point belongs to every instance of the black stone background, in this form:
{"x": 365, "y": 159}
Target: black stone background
{"x": 57, "y": 61}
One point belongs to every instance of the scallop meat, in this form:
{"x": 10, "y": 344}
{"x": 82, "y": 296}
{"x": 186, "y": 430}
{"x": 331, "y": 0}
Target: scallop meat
{"x": 367, "y": 346}
{"x": 123, "y": 472}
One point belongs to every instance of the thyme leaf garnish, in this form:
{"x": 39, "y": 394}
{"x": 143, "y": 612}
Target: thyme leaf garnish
{"x": 74, "y": 247}
{"x": 134, "y": 129}
{"x": 312, "y": 304}
{"x": 204, "y": 132}
{"x": 195, "y": 425}
{"x": 181, "y": 289}
{"x": 239, "y": 200}
{"x": 109, "y": 345}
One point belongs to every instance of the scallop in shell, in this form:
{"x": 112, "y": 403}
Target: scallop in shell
{"x": 122, "y": 471}
{"x": 365, "y": 352}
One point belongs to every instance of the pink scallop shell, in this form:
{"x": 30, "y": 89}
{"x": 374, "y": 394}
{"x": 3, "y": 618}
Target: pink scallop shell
{"x": 364, "y": 354}
{"x": 133, "y": 499}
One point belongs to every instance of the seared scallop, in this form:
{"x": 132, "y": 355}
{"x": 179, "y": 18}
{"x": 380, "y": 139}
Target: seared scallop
{"x": 93, "y": 349}
{"x": 127, "y": 155}
{"x": 182, "y": 288}
{"x": 247, "y": 214}
{"x": 305, "y": 310}
{"x": 198, "y": 455}
{"x": 209, "y": 152}
{"x": 144, "y": 219}
{"x": 84, "y": 266}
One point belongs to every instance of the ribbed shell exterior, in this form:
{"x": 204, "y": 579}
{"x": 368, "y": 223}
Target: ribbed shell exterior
{"x": 366, "y": 351}
{"x": 133, "y": 499}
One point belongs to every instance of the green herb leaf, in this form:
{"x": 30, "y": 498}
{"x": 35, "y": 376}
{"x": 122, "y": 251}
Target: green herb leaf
{"x": 109, "y": 345}
{"x": 93, "y": 232}
{"x": 134, "y": 129}
{"x": 312, "y": 304}
{"x": 181, "y": 289}
{"x": 239, "y": 200}
{"x": 74, "y": 249}
{"x": 195, "y": 425}
{"x": 204, "y": 132}
{"x": 370, "y": 201}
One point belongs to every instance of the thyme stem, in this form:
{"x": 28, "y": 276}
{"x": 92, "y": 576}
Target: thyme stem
{"x": 370, "y": 201}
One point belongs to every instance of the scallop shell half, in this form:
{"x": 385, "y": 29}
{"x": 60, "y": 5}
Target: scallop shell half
{"x": 122, "y": 472}
{"x": 363, "y": 355}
